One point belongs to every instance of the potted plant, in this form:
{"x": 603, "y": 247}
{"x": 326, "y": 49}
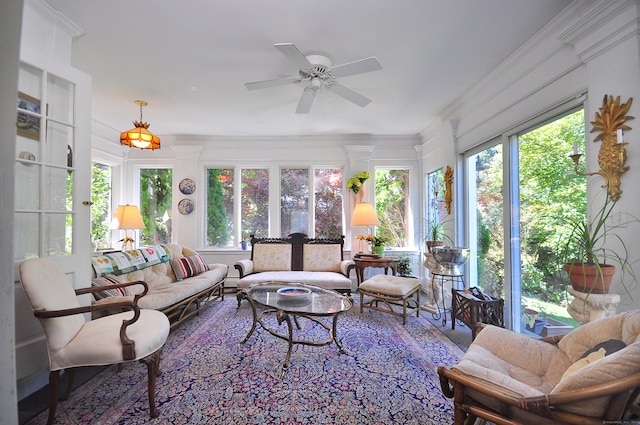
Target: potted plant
{"x": 434, "y": 234}
{"x": 404, "y": 265}
{"x": 591, "y": 259}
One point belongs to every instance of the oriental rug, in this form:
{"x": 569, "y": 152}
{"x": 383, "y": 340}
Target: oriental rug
{"x": 387, "y": 376}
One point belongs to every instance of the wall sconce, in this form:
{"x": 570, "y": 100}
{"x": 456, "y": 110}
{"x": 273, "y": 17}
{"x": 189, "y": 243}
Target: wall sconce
{"x": 448, "y": 190}
{"x": 610, "y": 122}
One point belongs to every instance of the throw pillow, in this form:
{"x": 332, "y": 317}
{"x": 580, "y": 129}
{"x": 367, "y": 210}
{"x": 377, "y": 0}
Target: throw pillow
{"x": 590, "y": 358}
{"x": 188, "y": 266}
{"x": 610, "y": 347}
{"x": 106, "y": 281}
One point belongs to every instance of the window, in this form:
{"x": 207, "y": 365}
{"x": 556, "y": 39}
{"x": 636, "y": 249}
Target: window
{"x": 254, "y": 203}
{"x": 101, "y": 211}
{"x": 392, "y": 206}
{"x": 311, "y": 202}
{"x": 521, "y": 260}
{"x": 155, "y": 205}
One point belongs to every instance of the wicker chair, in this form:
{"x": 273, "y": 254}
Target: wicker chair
{"x": 136, "y": 334}
{"x": 509, "y": 378}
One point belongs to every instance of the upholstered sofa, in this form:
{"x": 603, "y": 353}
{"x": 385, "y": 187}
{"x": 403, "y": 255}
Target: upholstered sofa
{"x": 317, "y": 262}
{"x": 179, "y": 280}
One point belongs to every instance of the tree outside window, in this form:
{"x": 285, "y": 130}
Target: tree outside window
{"x": 220, "y": 211}
{"x": 100, "y": 204}
{"x": 392, "y": 206}
{"x": 155, "y": 205}
{"x": 254, "y": 203}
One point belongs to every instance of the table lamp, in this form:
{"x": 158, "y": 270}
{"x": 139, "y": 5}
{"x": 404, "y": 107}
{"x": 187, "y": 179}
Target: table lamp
{"x": 364, "y": 215}
{"x": 128, "y": 217}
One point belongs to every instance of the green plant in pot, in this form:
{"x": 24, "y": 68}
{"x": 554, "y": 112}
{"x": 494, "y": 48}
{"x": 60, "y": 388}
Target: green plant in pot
{"x": 434, "y": 234}
{"x": 591, "y": 261}
{"x": 404, "y": 265}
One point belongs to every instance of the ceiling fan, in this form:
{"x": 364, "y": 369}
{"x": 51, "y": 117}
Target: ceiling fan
{"x": 318, "y": 71}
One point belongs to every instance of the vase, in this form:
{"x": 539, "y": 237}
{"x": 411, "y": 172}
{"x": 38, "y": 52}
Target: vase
{"x": 378, "y": 250}
{"x": 360, "y": 195}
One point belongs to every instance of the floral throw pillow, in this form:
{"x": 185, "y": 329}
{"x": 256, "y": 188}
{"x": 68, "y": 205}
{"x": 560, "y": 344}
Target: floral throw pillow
{"x": 188, "y": 266}
{"x": 321, "y": 257}
{"x": 271, "y": 257}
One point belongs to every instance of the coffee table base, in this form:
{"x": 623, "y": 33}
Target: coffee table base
{"x": 282, "y": 316}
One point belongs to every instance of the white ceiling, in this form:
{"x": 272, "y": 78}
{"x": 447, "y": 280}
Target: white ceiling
{"x": 190, "y": 59}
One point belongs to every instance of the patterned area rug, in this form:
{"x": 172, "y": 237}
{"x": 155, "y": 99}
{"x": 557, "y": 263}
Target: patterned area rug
{"x": 387, "y": 376}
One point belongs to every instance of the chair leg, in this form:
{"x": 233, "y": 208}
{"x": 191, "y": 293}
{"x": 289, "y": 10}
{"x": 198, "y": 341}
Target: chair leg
{"x": 71, "y": 374}
{"x": 153, "y": 369}
{"x": 54, "y": 380}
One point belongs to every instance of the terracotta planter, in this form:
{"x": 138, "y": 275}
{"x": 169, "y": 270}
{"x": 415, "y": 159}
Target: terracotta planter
{"x": 431, "y": 244}
{"x": 588, "y": 279}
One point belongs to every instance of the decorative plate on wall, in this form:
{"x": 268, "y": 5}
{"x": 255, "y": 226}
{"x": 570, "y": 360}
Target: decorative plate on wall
{"x": 185, "y": 206}
{"x": 187, "y": 186}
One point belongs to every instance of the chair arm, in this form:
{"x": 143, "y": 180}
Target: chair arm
{"x": 91, "y": 289}
{"x": 244, "y": 267}
{"x": 128, "y": 345}
{"x": 346, "y": 266}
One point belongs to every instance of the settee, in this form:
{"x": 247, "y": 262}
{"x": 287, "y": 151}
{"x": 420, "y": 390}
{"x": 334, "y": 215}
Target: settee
{"x": 297, "y": 258}
{"x": 179, "y": 280}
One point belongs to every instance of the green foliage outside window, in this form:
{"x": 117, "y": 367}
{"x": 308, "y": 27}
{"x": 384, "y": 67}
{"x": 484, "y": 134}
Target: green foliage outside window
{"x": 100, "y": 207}
{"x": 392, "y": 206}
{"x": 219, "y": 207}
{"x": 155, "y": 205}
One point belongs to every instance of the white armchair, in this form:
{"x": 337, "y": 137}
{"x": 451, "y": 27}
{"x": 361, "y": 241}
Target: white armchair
{"x": 74, "y": 342}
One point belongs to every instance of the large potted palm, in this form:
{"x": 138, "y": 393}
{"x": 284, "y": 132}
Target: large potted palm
{"x": 591, "y": 259}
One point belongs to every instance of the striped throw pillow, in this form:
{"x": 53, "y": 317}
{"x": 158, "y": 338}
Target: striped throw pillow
{"x": 188, "y": 266}
{"x": 106, "y": 281}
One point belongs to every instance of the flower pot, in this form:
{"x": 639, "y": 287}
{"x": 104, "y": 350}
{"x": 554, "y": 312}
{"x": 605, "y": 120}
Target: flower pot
{"x": 431, "y": 244}
{"x": 590, "y": 279}
{"x": 378, "y": 250}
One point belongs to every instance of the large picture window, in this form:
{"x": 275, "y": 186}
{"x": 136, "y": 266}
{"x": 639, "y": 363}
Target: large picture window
{"x": 393, "y": 206}
{"x": 155, "y": 205}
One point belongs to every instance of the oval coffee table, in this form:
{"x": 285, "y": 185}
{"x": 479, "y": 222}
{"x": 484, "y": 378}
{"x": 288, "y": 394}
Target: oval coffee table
{"x": 317, "y": 303}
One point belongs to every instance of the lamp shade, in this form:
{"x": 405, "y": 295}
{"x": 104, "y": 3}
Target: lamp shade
{"x": 128, "y": 217}
{"x": 364, "y": 215}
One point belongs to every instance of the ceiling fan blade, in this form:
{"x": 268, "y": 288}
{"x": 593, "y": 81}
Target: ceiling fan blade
{"x": 294, "y": 55}
{"x": 349, "y": 94}
{"x": 358, "y": 67}
{"x": 271, "y": 83}
{"x": 306, "y": 100}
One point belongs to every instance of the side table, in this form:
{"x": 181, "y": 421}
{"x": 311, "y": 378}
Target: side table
{"x": 385, "y": 263}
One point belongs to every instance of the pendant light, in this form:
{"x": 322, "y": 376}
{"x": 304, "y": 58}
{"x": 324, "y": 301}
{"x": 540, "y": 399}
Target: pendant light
{"x": 139, "y": 136}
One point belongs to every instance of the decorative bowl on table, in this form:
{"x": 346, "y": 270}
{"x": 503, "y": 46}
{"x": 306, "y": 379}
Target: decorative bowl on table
{"x": 450, "y": 258}
{"x": 294, "y": 294}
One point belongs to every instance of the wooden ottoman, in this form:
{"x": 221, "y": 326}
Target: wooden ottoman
{"x": 391, "y": 291}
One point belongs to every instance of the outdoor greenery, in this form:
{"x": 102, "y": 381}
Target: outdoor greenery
{"x": 219, "y": 207}
{"x": 392, "y": 204}
{"x": 155, "y": 205}
{"x": 551, "y": 195}
{"x": 100, "y": 207}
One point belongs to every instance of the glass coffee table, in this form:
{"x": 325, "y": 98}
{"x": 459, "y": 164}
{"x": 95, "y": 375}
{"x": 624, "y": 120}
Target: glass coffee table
{"x": 294, "y": 301}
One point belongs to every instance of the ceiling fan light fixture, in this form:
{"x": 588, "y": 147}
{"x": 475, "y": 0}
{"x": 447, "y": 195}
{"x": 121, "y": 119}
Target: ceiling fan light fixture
{"x": 139, "y": 136}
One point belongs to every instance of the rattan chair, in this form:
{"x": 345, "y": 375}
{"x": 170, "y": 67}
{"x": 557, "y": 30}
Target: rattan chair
{"x": 136, "y": 334}
{"x": 509, "y": 378}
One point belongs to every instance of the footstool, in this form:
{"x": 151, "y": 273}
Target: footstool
{"x": 391, "y": 291}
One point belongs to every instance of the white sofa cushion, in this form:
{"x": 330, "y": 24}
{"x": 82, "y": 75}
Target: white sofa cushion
{"x": 327, "y": 280}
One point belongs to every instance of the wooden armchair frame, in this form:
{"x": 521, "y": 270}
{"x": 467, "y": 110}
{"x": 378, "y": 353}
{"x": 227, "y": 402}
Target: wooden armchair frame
{"x": 151, "y": 361}
{"x": 467, "y": 408}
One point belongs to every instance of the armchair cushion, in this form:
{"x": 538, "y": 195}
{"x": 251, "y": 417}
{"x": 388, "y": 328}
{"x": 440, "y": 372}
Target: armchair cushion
{"x": 188, "y": 266}
{"x": 271, "y": 257}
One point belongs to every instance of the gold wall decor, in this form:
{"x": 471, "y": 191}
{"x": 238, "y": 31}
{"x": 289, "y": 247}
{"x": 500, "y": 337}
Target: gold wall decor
{"x": 448, "y": 191}
{"x": 610, "y": 122}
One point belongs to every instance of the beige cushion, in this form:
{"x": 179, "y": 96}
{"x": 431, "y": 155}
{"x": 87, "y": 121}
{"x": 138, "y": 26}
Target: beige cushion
{"x": 326, "y": 280}
{"x": 390, "y": 285}
{"x": 321, "y": 257}
{"x": 271, "y": 257}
